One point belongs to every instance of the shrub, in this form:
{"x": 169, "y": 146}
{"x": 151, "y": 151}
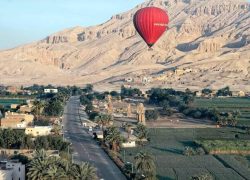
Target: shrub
{"x": 169, "y": 112}
{"x": 92, "y": 115}
{"x": 189, "y": 151}
{"x": 204, "y": 176}
{"x": 151, "y": 114}
{"x": 200, "y": 151}
{"x": 197, "y": 114}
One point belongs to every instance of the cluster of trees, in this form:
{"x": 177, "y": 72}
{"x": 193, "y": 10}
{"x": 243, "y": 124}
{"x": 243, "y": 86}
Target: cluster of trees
{"x": 167, "y": 98}
{"x": 222, "y": 118}
{"x": 221, "y": 92}
{"x": 224, "y": 92}
{"x": 49, "y": 167}
{"x": 130, "y": 92}
{"x": 17, "y": 139}
{"x": 50, "y": 105}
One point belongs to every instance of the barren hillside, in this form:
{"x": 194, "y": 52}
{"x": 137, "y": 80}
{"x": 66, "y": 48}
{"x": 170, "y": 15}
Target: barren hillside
{"x": 208, "y": 43}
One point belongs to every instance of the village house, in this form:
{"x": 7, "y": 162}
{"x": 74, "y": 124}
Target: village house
{"x": 198, "y": 93}
{"x": 12, "y": 170}
{"x": 51, "y": 91}
{"x": 25, "y": 108}
{"x": 238, "y": 94}
{"x": 179, "y": 72}
{"x": 16, "y": 120}
{"x": 38, "y": 130}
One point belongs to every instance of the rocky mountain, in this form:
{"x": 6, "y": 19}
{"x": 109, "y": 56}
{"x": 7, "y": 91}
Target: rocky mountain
{"x": 207, "y": 45}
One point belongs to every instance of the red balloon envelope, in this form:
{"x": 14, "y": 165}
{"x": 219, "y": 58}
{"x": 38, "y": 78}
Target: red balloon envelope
{"x": 151, "y": 23}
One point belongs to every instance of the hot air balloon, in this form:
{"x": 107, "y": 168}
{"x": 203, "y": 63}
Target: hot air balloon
{"x": 151, "y": 23}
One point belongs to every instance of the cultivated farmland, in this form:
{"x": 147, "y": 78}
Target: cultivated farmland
{"x": 228, "y": 104}
{"x": 167, "y": 146}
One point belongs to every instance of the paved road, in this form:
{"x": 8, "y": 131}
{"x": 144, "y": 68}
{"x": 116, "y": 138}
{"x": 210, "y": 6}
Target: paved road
{"x": 85, "y": 148}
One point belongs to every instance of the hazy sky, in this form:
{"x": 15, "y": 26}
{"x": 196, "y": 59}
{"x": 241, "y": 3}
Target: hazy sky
{"x": 23, "y": 21}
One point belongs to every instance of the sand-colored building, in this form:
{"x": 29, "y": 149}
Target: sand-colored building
{"x": 13, "y": 89}
{"x": 14, "y": 106}
{"x": 38, "y": 130}
{"x": 16, "y": 120}
{"x": 25, "y": 109}
{"x": 238, "y": 94}
{"x": 179, "y": 72}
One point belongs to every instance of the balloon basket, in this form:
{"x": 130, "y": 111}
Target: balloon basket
{"x": 150, "y": 49}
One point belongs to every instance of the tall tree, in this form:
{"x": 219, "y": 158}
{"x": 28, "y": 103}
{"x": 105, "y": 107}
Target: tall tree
{"x": 37, "y": 108}
{"x": 103, "y": 120}
{"x": 142, "y": 132}
{"x": 145, "y": 166}
{"x": 113, "y": 137}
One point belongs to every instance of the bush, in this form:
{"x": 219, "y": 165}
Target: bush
{"x": 114, "y": 93}
{"x": 92, "y": 115}
{"x": 200, "y": 151}
{"x": 197, "y": 114}
{"x": 41, "y": 122}
{"x": 189, "y": 151}
{"x": 169, "y": 112}
{"x": 151, "y": 114}
{"x": 204, "y": 176}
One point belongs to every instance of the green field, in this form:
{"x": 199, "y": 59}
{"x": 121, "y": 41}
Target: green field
{"x": 228, "y": 104}
{"x": 225, "y": 145}
{"x": 167, "y": 145}
{"x": 7, "y": 102}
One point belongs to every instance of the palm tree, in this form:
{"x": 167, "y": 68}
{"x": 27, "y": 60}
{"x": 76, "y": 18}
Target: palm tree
{"x": 40, "y": 154}
{"x": 103, "y": 120}
{"x": 55, "y": 171}
{"x": 37, "y": 108}
{"x": 145, "y": 166}
{"x": 83, "y": 172}
{"x": 37, "y": 168}
{"x": 113, "y": 137}
{"x": 142, "y": 132}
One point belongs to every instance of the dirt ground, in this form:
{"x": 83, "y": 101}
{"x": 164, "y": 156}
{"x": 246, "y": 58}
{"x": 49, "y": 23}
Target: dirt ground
{"x": 175, "y": 121}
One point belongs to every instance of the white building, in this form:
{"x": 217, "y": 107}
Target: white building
{"x": 51, "y": 91}
{"x": 12, "y": 170}
{"x": 38, "y": 130}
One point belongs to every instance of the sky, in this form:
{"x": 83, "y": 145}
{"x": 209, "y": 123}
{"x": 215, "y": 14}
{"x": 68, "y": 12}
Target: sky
{"x": 24, "y": 21}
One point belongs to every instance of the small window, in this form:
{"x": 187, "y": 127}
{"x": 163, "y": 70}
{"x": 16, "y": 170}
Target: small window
{"x": 19, "y": 170}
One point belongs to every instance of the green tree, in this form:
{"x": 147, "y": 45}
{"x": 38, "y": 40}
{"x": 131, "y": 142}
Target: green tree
{"x": 113, "y": 137}
{"x": 206, "y": 91}
{"x": 54, "y": 108}
{"x": 142, "y": 132}
{"x": 21, "y": 158}
{"x": 9, "y": 138}
{"x": 224, "y": 92}
{"x": 89, "y": 88}
{"x": 103, "y": 120}
{"x": 38, "y": 167}
{"x": 37, "y": 108}
{"x": 55, "y": 171}
{"x": 188, "y": 99}
{"x": 145, "y": 166}
{"x": 151, "y": 114}
{"x": 83, "y": 171}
